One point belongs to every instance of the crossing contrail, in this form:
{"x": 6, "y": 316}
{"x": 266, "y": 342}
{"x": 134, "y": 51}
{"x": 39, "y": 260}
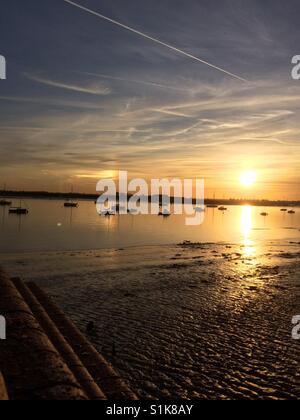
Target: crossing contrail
{"x": 157, "y": 41}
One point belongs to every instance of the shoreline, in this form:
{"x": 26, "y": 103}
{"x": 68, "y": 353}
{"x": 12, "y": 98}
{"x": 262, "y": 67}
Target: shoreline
{"x": 192, "y": 320}
{"x": 265, "y": 242}
{"x": 43, "y": 195}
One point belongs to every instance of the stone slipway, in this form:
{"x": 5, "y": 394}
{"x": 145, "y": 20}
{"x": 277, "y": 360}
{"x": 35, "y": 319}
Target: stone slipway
{"x": 45, "y": 356}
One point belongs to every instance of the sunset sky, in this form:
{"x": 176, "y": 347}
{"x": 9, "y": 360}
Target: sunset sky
{"x": 85, "y": 98}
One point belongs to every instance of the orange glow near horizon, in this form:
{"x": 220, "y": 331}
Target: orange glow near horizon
{"x": 106, "y": 174}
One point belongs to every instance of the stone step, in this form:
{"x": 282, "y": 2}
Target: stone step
{"x": 45, "y": 356}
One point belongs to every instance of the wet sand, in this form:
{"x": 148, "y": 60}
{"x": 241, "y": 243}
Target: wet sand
{"x": 184, "y": 321}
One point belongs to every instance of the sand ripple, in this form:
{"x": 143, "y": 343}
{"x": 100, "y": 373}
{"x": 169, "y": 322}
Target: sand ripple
{"x": 191, "y": 321}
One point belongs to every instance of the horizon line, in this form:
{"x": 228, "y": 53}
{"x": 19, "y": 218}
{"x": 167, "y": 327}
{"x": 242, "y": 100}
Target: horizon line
{"x": 11, "y": 193}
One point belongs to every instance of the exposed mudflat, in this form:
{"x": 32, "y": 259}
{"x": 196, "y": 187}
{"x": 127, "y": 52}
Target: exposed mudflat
{"x": 184, "y": 321}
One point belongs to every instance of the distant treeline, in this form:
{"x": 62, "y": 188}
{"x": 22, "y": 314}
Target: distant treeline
{"x": 209, "y": 201}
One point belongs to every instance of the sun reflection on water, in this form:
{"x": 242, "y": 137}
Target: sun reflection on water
{"x": 246, "y": 229}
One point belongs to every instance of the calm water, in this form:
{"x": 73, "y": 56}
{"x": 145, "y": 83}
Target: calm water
{"x": 51, "y": 227}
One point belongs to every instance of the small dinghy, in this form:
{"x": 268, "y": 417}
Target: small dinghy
{"x": 18, "y": 210}
{"x": 106, "y": 213}
{"x": 264, "y": 214}
{"x": 164, "y": 213}
{"x": 5, "y": 203}
{"x": 291, "y": 212}
{"x": 70, "y": 204}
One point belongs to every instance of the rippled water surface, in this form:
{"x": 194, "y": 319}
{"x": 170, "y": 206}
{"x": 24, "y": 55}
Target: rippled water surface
{"x": 50, "y": 226}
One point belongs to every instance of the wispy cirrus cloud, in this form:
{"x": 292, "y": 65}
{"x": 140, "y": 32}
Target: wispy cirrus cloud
{"x": 99, "y": 97}
{"x": 51, "y": 102}
{"x": 89, "y": 88}
{"x": 141, "y": 82}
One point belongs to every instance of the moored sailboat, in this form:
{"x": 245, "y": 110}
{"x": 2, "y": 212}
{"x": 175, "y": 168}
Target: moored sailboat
{"x": 19, "y": 210}
{"x": 4, "y": 201}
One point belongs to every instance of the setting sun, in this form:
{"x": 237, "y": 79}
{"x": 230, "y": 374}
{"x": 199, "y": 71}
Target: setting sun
{"x": 150, "y": 173}
{"x": 248, "y": 178}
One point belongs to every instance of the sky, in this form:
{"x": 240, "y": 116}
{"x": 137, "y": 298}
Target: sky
{"x": 85, "y": 98}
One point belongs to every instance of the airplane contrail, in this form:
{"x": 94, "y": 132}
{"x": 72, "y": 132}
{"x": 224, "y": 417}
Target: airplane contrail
{"x": 157, "y": 41}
